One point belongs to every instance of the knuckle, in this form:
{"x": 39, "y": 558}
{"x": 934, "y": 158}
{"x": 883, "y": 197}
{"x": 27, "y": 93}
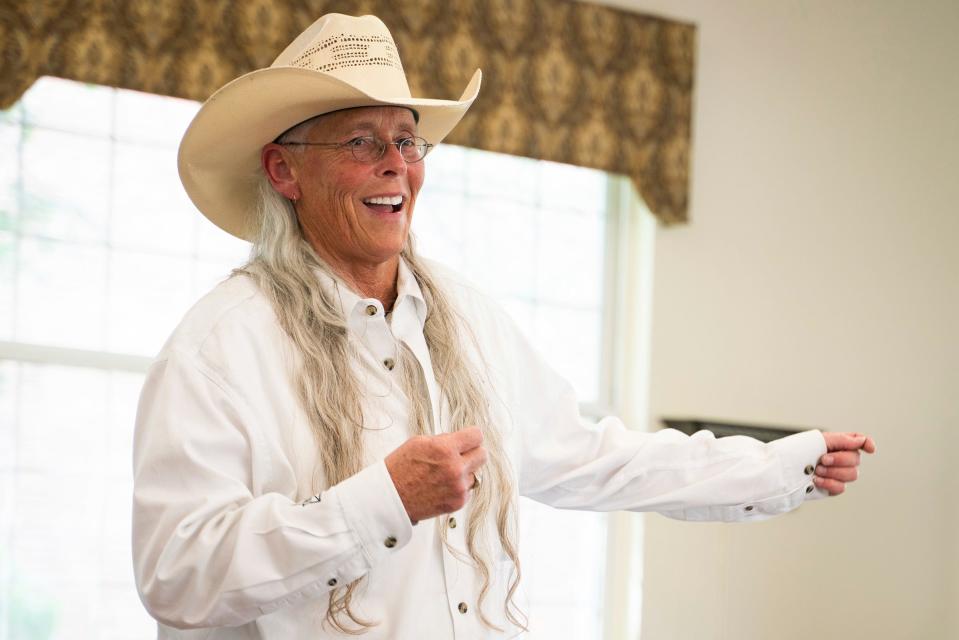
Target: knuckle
{"x": 418, "y": 441}
{"x": 439, "y": 448}
{"x": 453, "y": 471}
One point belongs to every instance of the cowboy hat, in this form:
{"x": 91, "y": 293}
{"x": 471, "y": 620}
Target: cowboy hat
{"x": 339, "y": 62}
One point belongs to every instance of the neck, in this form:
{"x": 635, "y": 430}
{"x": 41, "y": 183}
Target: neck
{"x": 370, "y": 280}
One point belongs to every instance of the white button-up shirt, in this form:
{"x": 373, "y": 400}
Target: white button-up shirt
{"x": 237, "y": 534}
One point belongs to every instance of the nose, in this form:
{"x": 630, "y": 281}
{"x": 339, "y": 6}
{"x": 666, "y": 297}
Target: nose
{"x": 392, "y": 162}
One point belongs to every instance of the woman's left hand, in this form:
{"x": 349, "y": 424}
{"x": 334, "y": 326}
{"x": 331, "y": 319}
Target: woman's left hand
{"x": 840, "y": 463}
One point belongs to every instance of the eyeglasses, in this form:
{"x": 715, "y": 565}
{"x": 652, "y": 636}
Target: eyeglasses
{"x": 369, "y": 149}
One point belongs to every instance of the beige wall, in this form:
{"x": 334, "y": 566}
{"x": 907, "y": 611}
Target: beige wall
{"x": 817, "y": 284}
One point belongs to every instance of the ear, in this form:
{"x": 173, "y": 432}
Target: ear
{"x": 278, "y": 166}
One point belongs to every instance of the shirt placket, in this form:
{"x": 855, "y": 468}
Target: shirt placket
{"x": 459, "y": 577}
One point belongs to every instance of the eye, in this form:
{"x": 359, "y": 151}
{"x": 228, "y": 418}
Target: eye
{"x": 405, "y": 143}
{"x": 363, "y": 142}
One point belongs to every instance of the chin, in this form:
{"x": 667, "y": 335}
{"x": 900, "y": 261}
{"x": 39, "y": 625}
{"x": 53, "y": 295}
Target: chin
{"x": 388, "y": 251}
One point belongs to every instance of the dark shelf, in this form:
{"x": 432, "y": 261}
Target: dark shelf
{"x": 766, "y": 433}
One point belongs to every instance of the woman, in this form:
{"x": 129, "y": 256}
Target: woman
{"x": 333, "y": 439}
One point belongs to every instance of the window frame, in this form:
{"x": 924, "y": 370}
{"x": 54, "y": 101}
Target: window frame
{"x": 622, "y": 385}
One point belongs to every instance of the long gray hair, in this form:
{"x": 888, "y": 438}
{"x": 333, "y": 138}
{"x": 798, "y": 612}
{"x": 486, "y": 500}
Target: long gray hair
{"x": 283, "y": 265}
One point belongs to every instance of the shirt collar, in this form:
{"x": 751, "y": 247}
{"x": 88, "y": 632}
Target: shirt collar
{"x": 408, "y": 292}
{"x": 409, "y": 298}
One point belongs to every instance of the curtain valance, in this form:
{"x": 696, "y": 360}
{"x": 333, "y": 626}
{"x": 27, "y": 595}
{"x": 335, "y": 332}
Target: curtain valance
{"x": 563, "y": 81}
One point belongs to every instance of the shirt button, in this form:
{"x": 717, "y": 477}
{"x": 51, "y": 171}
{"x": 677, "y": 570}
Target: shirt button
{"x": 331, "y": 582}
{"x": 371, "y": 310}
{"x": 809, "y": 489}
{"x": 463, "y": 608}
{"x": 452, "y": 522}
{"x": 389, "y": 364}
{"x": 390, "y": 542}
{"x": 809, "y": 469}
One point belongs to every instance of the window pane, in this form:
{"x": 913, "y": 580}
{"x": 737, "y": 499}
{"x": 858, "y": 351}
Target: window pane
{"x": 8, "y": 418}
{"x": 214, "y": 242}
{"x": 565, "y": 597}
{"x": 66, "y": 185}
{"x": 502, "y": 176}
{"x": 61, "y": 294}
{"x": 570, "y": 339}
{"x": 66, "y": 105}
{"x": 569, "y": 267}
{"x": 148, "y": 296}
{"x": 210, "y": 273}
{"x": 9, "y": 175}
{"x": 500, "y": 252}
{"x": 438, "y": 225}
{"x": 12, "y": 115}
{"x": 565, "y": 187}
{"x": 445, "y": 170}
{"x": 123, "y": 395}
{"x": 150, "y": 208}
{"x": 66, "y": 435}
{"x": 68, "y": 558}
{"x": 8, "y": 258}
{"x": 147, "y": 118}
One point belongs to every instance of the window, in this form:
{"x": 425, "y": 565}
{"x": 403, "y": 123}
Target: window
{"x": 101, "y": 254}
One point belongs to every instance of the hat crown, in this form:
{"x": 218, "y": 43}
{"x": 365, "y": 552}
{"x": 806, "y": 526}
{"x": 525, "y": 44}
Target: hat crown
{"x": 359, "y": 51}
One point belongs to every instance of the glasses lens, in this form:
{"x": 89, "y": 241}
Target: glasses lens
{"x": 370, "y": 149}
{"x": 366, "y": 149}
{"x": 415, "y": 149}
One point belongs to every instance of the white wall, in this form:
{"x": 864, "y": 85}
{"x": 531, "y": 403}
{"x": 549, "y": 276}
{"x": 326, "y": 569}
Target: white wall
{"x": 817, "y": 285}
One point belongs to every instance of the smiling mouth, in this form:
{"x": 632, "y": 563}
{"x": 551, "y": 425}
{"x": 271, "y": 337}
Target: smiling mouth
{"x": 386, "y": 204}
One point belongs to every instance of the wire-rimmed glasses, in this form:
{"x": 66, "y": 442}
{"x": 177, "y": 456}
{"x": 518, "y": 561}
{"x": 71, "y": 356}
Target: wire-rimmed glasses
{"x": 370, "y": 149}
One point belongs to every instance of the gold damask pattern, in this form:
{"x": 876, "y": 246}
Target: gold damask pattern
{"x": 563, "y": 81}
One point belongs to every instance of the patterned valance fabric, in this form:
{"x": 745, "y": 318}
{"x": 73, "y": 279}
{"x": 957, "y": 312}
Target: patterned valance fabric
{"x": 563, "y": 81}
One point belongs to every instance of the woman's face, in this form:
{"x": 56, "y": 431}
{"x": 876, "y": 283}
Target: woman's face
{"x": 334, "y": 190}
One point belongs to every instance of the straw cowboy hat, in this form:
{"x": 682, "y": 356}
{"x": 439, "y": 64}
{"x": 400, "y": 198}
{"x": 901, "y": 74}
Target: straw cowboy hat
{"x": 337, "y": 63}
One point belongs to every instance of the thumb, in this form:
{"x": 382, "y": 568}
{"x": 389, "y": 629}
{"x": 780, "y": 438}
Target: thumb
{"x": 466, "y": 439}
{"x": 850, "y": 442}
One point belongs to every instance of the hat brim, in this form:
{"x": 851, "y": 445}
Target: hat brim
{"x": 219, "y": 156}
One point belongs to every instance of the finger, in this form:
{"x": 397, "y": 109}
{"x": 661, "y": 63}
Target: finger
{"x": 473, "y": 459}
{"x": 841, "y": 459}
{"x": 843, "y": 474}
{"x": 846, "y": 441}
{"x": 868, "y": 445}
{"x": 832, "y": 487}
{"x": 465, "y": 439}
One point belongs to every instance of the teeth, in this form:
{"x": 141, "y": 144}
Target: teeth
{"x": 395, "y": 200}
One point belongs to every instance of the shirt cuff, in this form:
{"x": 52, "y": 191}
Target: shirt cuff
{"x": 800, "y": 454}
{"x": 374, "y": 512}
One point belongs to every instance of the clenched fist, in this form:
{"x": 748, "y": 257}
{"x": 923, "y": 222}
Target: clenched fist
{"x": 840, "y": 464}
{"x": 434, "y": 474}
